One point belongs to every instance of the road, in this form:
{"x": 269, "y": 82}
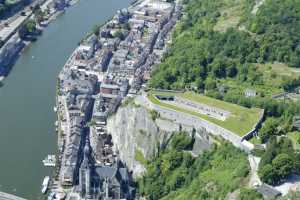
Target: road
{"x": 15, "y": 21}
{"x": 254, "y": 178}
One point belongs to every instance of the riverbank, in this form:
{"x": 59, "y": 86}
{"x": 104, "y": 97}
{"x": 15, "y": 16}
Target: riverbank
{"x": 9, "y": 53}
{"x": 103, "y": 69}
{"x": 27, "y": 127}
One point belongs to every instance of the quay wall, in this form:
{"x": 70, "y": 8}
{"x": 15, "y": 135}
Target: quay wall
{"x": 6, "y": 196}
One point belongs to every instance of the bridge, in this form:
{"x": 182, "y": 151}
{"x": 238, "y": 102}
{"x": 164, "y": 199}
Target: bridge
{"x": 5, "y": 196}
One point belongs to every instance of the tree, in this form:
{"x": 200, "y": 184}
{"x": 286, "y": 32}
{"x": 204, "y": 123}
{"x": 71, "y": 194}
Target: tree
{"x": 28, "y": 28}
{"x": 210, "y": 84}
{"x": 283, "y": 164}
{"x": 182, "y": 141}
{"x": 249, "y": 194}
{"x": 270, "y": 153}
{"x": 200, "y": 84}
{"x": 269, "y": 129}
{"x": 96, "y": 30}
{"x": 268, "y": 174}
{"x": 2, "y": 9}
{"x": 119, "y": 34}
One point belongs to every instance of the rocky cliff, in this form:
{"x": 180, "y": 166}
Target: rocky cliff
{"x": 135, "y": 136}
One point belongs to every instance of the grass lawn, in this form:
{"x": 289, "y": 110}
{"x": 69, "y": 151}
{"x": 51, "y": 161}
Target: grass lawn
{"x": 230, "y": 17}
{"x": 274, "y": 74}
{"x": 279, "y": 69}
{"x": 240, "y": 121}
{"x": 295, "y": 137}
{"x": 237, "y": 87}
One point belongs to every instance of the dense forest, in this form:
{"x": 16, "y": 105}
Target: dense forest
{"x": 224, "y": 62}
{"x": 200, "y": 54}
{"x": 223, "y": 48}
{"x": 278, "y": 161}
{"x": 175, "y": 174}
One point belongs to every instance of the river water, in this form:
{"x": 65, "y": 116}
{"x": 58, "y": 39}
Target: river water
{"x": 27, "y": 131}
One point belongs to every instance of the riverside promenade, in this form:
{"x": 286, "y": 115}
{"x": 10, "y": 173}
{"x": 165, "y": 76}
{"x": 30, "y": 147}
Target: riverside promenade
{"x": 5, "y": 196}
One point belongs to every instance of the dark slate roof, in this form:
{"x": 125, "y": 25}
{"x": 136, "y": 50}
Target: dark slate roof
{"x": 107, "y": 172}
{"x": 124, "y": 174}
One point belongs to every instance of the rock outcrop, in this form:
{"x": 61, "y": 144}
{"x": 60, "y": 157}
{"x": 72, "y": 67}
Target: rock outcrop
{"x": 136, "y": 136}
{"x": 134, "y": 131}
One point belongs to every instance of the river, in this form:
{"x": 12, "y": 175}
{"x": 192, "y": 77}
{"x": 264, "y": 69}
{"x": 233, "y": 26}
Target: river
{"x": 27, "y": 119}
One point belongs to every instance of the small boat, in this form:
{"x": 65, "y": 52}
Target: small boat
{"x": 50, "y": 161}
{"x": 55, "y": 109}
{"x": 45, "y": 184}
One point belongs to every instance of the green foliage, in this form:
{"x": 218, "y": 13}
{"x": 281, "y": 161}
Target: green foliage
{"x": 175, "y": 175}
{"x": 39, "y": 14}
{"x": 154, "y": 114}
{"x": 270, "y": 128}
{"x": 2, "y": 9}
{"x": 249, "y": 194}
{"x": 283, "y": 164}
{"x": 27, "y": 29}
{"x": 139, "y": 156}
{"x": 119, "y": 34}
{"x": 240, "y": 122}
{"x": 129, "y": 101}
{"x": 182, "y": 141}
{"x": 257, "y": 152}
{"x": 96, "y": 30}
{"x": 278, "y": 161}
{"x": 290, "y": 84}
{"x": 30, "y": 26}
{"x": 278, "y": 26}
{"x": 268, "y": 174}
{"x": 202, "y": 58}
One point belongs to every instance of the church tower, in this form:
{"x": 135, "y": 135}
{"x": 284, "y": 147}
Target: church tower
{"x": 85, "y": 180}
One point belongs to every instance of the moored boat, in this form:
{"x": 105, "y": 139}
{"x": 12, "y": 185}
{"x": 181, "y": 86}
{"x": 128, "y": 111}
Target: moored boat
{"x": 45, "y": 184}
{"x": 50, "y": 161}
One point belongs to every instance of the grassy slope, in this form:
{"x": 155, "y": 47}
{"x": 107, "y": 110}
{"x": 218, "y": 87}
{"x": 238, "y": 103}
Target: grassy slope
{"x": 226, "y": 173}
{"x": 240, "y": 122}
{"x": 231, "y": 13}
{"x": 273, "y": 73}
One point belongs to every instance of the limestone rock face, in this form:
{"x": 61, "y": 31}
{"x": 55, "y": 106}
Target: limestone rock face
{"x": 134, "y": 133}
{"x": 133, "y": 130}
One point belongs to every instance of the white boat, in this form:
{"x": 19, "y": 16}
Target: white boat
{"x": 45, "y": 184}
{"x": 50, "y": 161}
